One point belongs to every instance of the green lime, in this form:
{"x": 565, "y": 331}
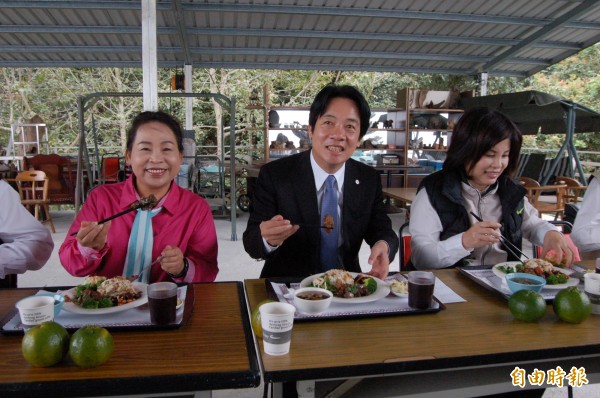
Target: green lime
{"x": 572, "y": 305}
{"x": 255, "y": 320}
{"x": 45, "y": 344}
{"x": 91, "y": 346}
{"x": 527, "y": 305}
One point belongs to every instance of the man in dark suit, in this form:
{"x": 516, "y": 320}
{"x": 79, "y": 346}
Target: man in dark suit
{"x": 285, "y": 212}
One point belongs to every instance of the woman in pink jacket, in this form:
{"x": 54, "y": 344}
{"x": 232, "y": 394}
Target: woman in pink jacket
{"x": 179, "y": 231}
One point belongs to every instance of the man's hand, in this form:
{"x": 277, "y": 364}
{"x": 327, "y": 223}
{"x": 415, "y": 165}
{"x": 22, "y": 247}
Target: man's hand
{"x": 276, "y": 230}
{"x": 379, "y": 260}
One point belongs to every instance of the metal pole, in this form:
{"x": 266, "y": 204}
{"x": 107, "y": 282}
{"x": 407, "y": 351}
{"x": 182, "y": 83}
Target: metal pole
{"x": 149, "y": 57}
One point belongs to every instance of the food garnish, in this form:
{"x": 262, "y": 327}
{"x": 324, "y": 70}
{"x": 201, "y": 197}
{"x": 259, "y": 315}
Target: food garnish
{"x": 342, "y": 284}
{"x": 100, "y": 292}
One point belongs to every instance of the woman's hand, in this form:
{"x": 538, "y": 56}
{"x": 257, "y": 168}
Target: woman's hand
{"x": 481, "y": 234}
{"x": 172, "y": 261}
{"x": 276, "y": 230}
{"x": 93, "y": 235}
{"x": 554, "y": 240}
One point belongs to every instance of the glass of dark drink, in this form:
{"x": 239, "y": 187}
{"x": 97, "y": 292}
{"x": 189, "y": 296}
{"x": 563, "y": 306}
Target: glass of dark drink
{"x": 420, "y": 289}
{"x": 162, "y": 301}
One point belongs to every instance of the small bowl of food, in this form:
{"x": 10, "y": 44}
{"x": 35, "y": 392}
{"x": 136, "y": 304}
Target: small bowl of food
{"x": 522, "y": 281}
{"x": 312, "y": 300}
{"x": 59, "y": 300}
{"x": 399, "y": 288}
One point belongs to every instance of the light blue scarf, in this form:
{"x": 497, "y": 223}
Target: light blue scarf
{"x": 141, "y": 242}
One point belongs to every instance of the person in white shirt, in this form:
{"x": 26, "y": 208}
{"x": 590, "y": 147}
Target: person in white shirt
{"x": 586, "y": 229}
{"x": 475, "y": 184}
{"x": 25, "y": 244}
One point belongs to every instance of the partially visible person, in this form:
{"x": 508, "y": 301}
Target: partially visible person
{"x": 179, "y": 230}
{"x": 476, "y": 178}
{"x": 287, "y": 209}
{"x": 586, "y": 228}
{"x": 25, "y": 244}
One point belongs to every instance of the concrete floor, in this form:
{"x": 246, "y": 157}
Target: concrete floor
{"x": 234, "y": 265}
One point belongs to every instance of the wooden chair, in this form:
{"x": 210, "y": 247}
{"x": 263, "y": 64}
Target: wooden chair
{"x": 528, "y": 182}
{"x": 575, "y": 189}
{"x": 33, "y": 189}
{"x": 551, "y": 204}
{"x": 58, "y": 170}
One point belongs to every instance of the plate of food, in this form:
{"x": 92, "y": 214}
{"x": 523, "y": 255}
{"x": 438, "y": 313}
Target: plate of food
{"x": 349, "y": 287}
{"x": 556, "y": 278}
{"x": 99, "y": 295}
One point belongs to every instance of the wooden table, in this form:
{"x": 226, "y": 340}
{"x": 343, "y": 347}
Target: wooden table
{"x": 403, "y": 195}
{"x": 213, "y": 350}
{"x": 478, "y": 337}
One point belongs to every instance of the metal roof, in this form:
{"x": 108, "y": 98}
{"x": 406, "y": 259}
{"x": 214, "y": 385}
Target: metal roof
{"x": 508, "y": 37}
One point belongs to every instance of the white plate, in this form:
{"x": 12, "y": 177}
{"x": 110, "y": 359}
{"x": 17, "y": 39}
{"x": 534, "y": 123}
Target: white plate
{"x": 72, "y": 307}
{"x": 570, "y": 282}
{"x": 382, "y": 290}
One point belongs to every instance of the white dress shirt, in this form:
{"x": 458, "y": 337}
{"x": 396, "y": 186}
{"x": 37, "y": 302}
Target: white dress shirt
{"x": 27, "y": 243}
{"x": 586, "y": 229}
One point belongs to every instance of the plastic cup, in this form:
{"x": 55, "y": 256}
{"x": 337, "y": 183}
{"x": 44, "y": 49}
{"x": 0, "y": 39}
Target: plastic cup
{"x": 277, "y": 320}
{"x": 162, "y": 301}
{"x": 592, "y": 289}
{"x": 420, "y": 289}
{"x": 34, "y": 310}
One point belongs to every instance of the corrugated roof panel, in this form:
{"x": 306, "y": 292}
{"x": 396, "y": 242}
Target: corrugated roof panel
{"x": 429, "y": 36}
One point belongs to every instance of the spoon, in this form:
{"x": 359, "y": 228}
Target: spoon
{"x": 134, "y": 277}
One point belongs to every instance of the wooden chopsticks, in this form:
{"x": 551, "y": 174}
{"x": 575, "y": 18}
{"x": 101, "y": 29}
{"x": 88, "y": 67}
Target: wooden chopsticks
{"x": 507, "y": 244}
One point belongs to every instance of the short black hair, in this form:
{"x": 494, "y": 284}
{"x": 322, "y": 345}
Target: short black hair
{"x": 155, "y": 116}
{"x": 331, "y": 91}
{"x": 478, "y": 131}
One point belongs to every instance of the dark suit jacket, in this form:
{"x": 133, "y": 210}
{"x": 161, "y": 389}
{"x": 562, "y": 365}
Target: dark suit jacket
{"x": 287, "y": 187}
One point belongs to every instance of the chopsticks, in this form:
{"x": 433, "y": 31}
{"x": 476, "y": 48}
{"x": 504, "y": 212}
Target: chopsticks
{"x": 144, "y": 203}
{"x": 507, "y": 244}
{"x": 109, "y": 218}
{"x": 311, "y": 226}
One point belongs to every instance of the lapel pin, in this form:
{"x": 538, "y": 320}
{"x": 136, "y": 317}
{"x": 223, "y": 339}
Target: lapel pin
{"x": 357, "y": 182}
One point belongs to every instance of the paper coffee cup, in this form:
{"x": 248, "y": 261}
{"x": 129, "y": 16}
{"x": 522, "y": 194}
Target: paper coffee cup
{"x": 34, "y": 310}
{"x": 592, "y": 289}
{"x": 277, "y": 320}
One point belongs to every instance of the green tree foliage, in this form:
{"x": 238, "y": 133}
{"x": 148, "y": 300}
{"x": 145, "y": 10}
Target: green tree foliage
{"x": 52, "y": 93}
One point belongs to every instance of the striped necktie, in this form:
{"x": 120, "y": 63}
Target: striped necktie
{"x": 329, "y": 238}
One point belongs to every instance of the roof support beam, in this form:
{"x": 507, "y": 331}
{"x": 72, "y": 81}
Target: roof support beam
{"x": 286, "y": 9}
{"x": 149, "y": 55}
{"x": 560, "y": 21}
{"x": 183, "y": 35}
{"x": 183, "y": 32}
